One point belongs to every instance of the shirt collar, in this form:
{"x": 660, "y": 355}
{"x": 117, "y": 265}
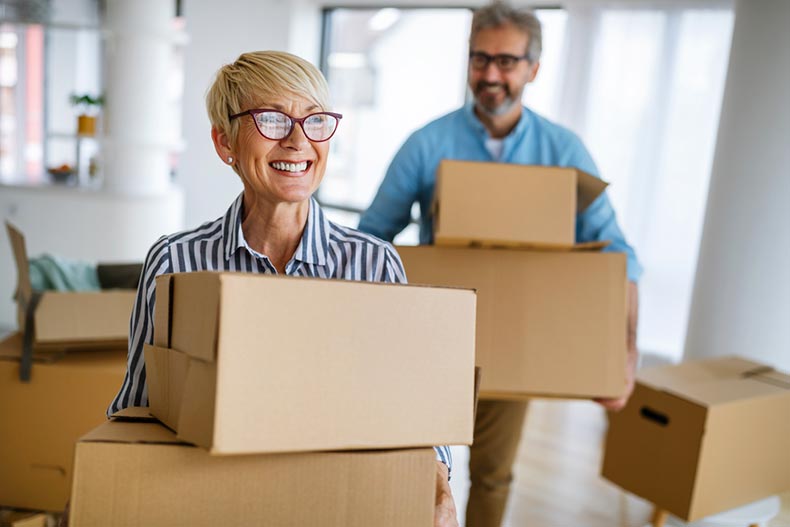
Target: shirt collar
{"x": 312, "y": 247}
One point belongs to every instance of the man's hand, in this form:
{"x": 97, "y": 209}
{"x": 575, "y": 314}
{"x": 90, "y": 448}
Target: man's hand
{"x": 444, "y": 514}
{"x": 633, "y": 355}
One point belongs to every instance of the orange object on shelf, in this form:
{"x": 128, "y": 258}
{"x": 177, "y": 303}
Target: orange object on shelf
{"x": 86, "y": 125}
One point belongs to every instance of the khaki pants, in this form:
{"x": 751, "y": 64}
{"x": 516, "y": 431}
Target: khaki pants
{"x": 498, "y": 428}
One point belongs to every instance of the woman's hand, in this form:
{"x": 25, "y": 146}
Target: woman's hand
{"x": 444, "y": 514}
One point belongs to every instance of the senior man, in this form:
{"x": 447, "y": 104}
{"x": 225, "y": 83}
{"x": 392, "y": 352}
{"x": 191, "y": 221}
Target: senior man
{"x": 504, "y": 52}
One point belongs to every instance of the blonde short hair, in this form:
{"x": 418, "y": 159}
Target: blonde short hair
{"x": 257, "y": 76}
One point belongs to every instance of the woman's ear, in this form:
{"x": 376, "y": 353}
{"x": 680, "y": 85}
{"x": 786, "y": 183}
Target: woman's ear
{"x": 222, "y": 145}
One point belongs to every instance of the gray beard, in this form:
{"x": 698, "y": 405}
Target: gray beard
{"x": 502, "y": 109}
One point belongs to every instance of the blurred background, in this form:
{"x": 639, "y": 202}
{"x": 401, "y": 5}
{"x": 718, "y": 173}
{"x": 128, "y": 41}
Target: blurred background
{"x": 684, "y": 105}
{"x": 642, "y": 82}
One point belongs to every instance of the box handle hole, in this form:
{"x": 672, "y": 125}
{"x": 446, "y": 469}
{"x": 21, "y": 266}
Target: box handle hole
{"x": 653, "y": 415}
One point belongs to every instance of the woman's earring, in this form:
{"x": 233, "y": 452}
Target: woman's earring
{"x": 230, "y": 160}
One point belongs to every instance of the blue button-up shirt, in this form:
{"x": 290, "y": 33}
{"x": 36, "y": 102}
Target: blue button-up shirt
{"x": 460, "y": 135}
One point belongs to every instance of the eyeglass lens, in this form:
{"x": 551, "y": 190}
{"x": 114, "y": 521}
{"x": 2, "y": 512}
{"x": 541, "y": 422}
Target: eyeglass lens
{"x": 277, "y": 125}
{"x": 480, "y": 60}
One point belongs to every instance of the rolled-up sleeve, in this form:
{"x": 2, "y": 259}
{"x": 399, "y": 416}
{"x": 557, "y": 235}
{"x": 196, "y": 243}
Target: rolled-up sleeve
{"x": 599, "y": 223}
{"x": 390, "y": 211}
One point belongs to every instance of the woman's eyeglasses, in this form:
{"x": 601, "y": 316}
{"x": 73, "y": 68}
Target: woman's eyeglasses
{"x": 277, "y": 125}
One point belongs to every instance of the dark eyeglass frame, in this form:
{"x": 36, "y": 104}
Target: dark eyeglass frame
{"x": 253, "y": 113}
{"x": 496, "y": 59}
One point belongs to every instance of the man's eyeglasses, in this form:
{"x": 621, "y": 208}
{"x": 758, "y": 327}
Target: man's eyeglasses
{"x": 480, "y": 60}
{"x": 277, "y": 125}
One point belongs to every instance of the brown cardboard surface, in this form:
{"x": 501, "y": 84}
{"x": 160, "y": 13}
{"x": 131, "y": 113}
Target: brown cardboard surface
{"x": 23, "y": 519}
{"x": 725, "y": 380}
{"x": 550, "y": 324}
{"x": 166, "y": 372}
{"x": 480, "y": 203}
{"x": 85, "y": 319}
{"x": 40, "y": 421}
{"x": 137, "y": 474}
{"x": 72, "y": 320}
{"x": 275, "y": 364}
{"x": 702, "y": 437}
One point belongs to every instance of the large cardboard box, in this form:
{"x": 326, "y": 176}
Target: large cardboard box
{"x": 702, "y": 437}
{"x": 502, "y": 204}
{"x": 139, "y": 474}
{"x": 259, "y": 364}
{"x": 548, "y": 323}
{"x": 41, "y": 420}
{"x": 69, "y": 320}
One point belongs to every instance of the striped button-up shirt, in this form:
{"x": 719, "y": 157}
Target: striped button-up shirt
{"x": 326, "y": 250}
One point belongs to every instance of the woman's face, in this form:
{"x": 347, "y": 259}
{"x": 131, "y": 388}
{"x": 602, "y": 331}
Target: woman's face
{"x": 284, "y": 171}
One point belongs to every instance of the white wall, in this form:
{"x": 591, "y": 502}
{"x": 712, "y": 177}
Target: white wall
{"x": 741, "y": 302}
{"x": 218, "y": 33}
{"x": 84, "y": 225}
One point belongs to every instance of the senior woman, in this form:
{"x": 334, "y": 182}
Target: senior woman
{"x": 270, "y": 123}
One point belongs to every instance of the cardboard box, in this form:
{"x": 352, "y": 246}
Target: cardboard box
{"x": 69, "y": 320}
{"x": 9, "y": 518}
{"x": 703, "y": 437}
{"x": 41, "y": 420}
{"x": 140, "y": 474}
{"x": 548, "y": 323}
{"x": 262, "y": 364}
{"x": 502, "y": 204}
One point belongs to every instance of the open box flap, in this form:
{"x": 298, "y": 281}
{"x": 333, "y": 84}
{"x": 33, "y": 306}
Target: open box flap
{"x": 24, "y": 289}
{"x": 717, "y": 381}
{"x": 164, "y": 288}
{"x": 192, "y": 327}
{"x": 588, "y": 188}
{"x": 132, "y": 425}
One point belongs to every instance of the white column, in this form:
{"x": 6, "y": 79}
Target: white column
{"x": 136, "y": 144}
{"x": 741, "y": 300}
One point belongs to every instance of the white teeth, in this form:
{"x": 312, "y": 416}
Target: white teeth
{"x": 290, "y": 167}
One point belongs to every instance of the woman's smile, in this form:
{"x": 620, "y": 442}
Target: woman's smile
{"x": 291, "y": 168}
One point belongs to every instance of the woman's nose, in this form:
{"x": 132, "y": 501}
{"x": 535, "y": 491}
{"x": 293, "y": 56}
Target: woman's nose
{"x": 297, "y": 138}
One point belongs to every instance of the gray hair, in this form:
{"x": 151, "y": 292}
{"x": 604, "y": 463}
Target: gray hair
{"x": 499, "y": 13}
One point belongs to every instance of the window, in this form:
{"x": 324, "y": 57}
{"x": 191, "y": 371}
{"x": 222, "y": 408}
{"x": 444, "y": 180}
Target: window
{"x": 21, "y": 99}
{"x": 642, "y": 85}
{"x": 650, "y": 116}
{"x": 40, "y": 68}
{"x": 391, "y": 71}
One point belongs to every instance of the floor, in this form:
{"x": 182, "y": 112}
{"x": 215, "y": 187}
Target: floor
{"x": 556, "y": 474}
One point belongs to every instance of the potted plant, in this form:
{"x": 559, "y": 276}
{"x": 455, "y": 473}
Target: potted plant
{"x": 88, "y": 107}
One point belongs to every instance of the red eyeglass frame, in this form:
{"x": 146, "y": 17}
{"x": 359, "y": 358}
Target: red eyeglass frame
{"x": 294, "y": 120}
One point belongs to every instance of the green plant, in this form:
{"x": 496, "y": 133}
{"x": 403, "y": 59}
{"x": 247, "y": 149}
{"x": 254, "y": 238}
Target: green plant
{"x": 86, "y": 101}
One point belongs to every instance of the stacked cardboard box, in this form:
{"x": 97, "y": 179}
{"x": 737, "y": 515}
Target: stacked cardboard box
{"x": 134, "y": 471}
{"x": 703, "y": 437}
{"x": 57, "y": 321}
{"x": 332, "y": 390}
{"x": 41, "y": 420}
{"x": 57, "y": 377}
{"x": 551, "y": 316}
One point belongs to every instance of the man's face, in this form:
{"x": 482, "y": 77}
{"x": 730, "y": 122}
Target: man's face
{"x": 495, "y": 90}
